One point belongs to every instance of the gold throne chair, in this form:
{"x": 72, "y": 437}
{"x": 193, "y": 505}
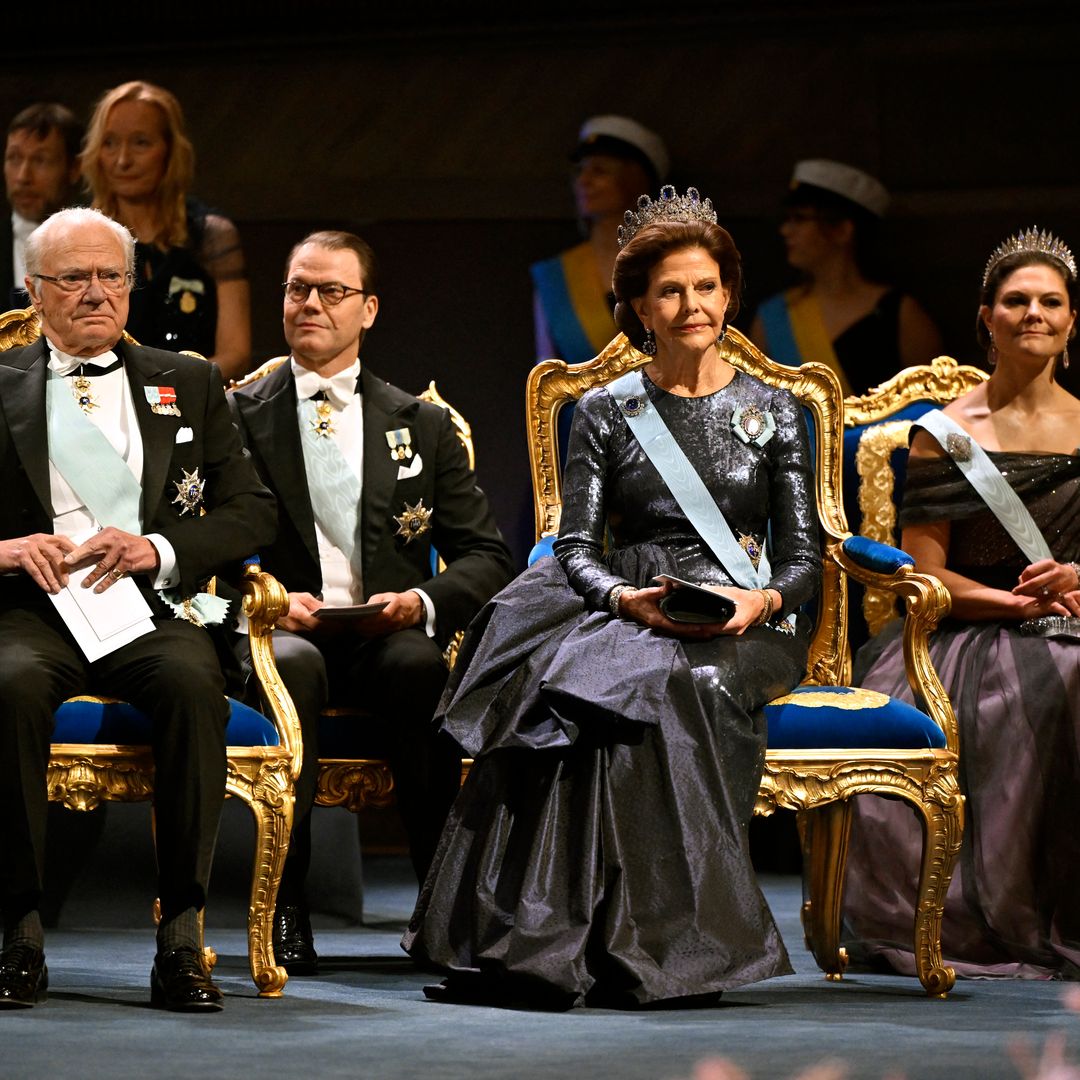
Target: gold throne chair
{"x": 827, "y": 740}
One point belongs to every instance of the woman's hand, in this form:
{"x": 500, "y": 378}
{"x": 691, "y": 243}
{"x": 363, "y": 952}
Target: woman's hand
{"x": 1052, "y": 588}
{"x": 643, "y": 606}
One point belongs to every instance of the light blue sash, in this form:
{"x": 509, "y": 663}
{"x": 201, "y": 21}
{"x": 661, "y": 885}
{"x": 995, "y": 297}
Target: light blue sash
{"x": 89, "y": 462}
{"x": 332, "y": 485}
{"x": 684, "y": 483}
{"x": 981, "y": 473}
{"x": 100, "y": 477}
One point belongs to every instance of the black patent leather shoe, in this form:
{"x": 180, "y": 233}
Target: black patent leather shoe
{"x": 294, "y": 946}
{"x": 179, "y": 983}
{"x": 24, "y": 978}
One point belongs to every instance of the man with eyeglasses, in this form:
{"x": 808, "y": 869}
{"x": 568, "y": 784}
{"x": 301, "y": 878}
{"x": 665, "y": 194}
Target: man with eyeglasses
{"x": 41, "y": 171}
{"x": 369, "y": 481}
{"x": 122, "y": 459}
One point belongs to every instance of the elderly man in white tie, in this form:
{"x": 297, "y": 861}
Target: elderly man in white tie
{"x": 124, "y": 460}
{"x": 368, "y": 481}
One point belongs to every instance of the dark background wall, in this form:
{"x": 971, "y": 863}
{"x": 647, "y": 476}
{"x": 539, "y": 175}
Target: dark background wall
{"x": 443, "y": 138}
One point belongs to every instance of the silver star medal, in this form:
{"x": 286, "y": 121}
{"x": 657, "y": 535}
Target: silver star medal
{"x": 189, "y": 491}
{"x": 414, "y": 522}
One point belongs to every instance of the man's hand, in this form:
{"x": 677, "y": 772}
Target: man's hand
{"x": 402, "y": 611}
{"x": 41, "y": 556}
{"x": 114, "y": 553}
{"x": 301, "y": 617}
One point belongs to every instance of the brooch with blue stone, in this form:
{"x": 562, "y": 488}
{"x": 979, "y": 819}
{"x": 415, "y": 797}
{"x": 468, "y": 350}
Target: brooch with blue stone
{"x": 752, "y": 424}
{"x": 751, "y": 547}
{"x": 189, "y": 491}
{"x": 632, "y": 406}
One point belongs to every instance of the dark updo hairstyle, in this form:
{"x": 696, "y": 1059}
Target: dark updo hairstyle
{"x": 1001, "y": 271}
{"x": 655, "y": 242}
{"x": 834, "y": 209}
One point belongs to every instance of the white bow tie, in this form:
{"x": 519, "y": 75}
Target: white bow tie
{"x": 339, "y": 389}
{"x": 64, "y": 364}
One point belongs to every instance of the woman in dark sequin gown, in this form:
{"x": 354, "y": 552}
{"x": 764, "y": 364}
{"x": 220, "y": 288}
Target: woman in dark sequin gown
{"x": 598, "y": 852}
{"x": 1013, "y": 907}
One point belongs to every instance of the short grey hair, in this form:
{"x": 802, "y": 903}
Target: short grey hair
{"x": 37, "y": 243}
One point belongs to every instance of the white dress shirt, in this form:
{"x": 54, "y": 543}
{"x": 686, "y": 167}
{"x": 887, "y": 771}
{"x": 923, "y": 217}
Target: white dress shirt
{"x": 116, "y": 419}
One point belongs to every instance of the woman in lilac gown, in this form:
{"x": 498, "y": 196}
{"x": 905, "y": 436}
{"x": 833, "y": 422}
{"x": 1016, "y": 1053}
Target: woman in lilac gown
{"x": 1009, "y": 655}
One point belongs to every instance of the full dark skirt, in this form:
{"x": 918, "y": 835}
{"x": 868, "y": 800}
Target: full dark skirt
{"x": 598, "y": 851}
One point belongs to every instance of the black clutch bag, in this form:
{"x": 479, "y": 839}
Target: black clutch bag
{"x": 690, "y": 603}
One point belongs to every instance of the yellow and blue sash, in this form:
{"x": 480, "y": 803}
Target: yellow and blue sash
{"x": 795, "y": 332}
{"x": 574, "y": 304}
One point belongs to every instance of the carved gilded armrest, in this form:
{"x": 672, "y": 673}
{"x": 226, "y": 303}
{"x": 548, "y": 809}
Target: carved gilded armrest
{"x": 926, "y": 603}
{"x": 266, "y": 601}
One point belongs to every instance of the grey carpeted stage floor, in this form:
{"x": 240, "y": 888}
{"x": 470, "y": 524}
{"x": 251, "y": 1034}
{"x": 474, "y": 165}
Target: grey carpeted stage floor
{"x": 366, "y": 1015}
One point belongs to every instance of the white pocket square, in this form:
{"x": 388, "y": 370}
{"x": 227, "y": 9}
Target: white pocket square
{"x": 183, "y": 435}
{"x": 412, "y": 469}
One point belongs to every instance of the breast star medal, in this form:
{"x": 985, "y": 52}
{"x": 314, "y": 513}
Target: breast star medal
{"x": 400, "y": 443}
{"x": 189, "y": 491}
{"x": 414, "y": 522}
{"x": 80, "y": 389}
{"x": 323, "y": 425}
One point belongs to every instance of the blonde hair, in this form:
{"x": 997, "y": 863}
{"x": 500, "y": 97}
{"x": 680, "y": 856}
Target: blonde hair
{"x": 179, "y": 164}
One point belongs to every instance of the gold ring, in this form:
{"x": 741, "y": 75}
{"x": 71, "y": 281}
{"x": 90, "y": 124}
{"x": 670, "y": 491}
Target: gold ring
{"x": 116, "y": 574}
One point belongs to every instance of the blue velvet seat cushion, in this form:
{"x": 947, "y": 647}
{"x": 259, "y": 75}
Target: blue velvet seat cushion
{"x": 123, "y": 724}
{"x": 876, "y": 556}
{"x": 823, "y": 717}
{"x": 541, "y": 548}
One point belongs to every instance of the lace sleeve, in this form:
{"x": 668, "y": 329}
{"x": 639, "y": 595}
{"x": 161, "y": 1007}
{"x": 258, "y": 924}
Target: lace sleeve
{"x": 220, "y": 251}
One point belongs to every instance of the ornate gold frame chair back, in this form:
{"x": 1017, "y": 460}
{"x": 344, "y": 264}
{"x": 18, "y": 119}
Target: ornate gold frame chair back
{"x": 82, "y": 775}
{"x": 817, "y": 782}
{"x": 941, "y": 381}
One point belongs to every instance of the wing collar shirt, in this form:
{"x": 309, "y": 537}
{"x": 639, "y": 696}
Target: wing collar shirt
{"x": 115, "y": 417}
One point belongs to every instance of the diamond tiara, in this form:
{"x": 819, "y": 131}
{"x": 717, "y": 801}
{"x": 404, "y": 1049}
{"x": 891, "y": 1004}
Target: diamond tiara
{"x": 1031, "y": 240}
{"x": 669, "y": 207}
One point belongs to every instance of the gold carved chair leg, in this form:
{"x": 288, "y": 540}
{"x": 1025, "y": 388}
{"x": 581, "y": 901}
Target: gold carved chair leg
{"x": 825, "y": 833}
{"x": 265, "y": 789}
{"x": 943, "y": 829}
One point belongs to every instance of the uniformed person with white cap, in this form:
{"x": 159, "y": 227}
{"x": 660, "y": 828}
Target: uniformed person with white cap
{"x": 842, "y": 313}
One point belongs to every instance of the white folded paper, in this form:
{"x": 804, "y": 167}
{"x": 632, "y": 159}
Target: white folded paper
{"x": 102, "y": 622}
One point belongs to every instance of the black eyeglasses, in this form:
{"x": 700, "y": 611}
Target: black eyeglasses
{"x": 331, "y": 293}
{"x": 73, "y": 281}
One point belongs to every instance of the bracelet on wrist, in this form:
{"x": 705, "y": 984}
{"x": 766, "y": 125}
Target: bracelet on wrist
{"x": 613, "y": 598}
{"x": 767, "y": 610}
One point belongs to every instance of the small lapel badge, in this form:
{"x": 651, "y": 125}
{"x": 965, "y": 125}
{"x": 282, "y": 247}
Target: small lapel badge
{"x": 958, "y": 446}
{"x": 162, "y": 400}
{"x": 414, "y": 521}
{"x": 189, "y": 491}
{"x": 400, "y": 443}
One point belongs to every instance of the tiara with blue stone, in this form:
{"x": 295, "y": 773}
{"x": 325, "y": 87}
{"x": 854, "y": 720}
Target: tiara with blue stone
{"x": 669, "y": 207}
{"x": 1031, "y": 240}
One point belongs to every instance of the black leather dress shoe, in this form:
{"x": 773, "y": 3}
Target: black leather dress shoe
{"x": 294, "y": 946}
{"x": 179, "y": 983}
{"x": 24, "y": 978}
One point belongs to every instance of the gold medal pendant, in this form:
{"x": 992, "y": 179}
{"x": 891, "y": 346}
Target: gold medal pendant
{"x": 80, "y": 389}
{"x": 322, "y": 424}
{"x": 751, "y": 547}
